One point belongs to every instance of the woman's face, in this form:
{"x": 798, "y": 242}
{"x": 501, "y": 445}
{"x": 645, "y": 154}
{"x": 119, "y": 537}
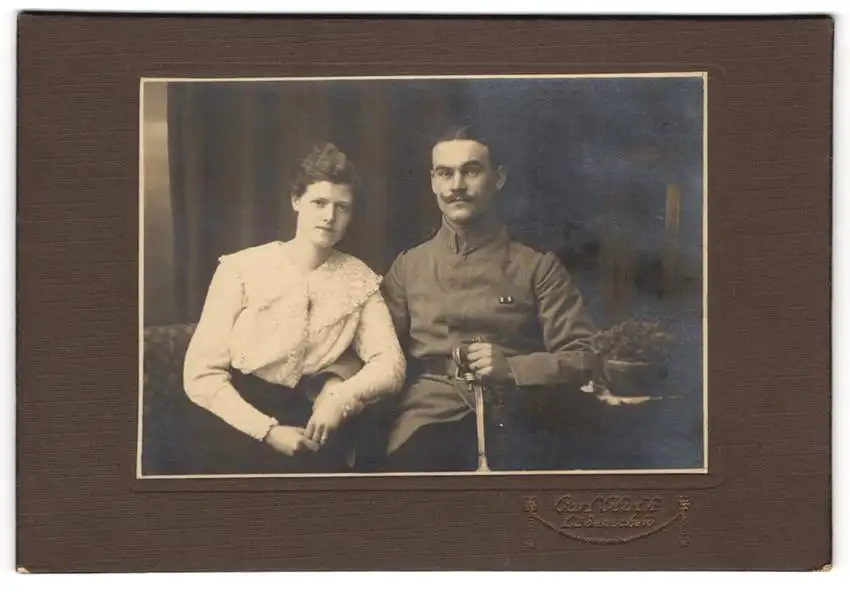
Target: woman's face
{"x": 324, "y": 211}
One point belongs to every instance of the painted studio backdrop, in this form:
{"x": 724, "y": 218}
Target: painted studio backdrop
{"x": 607, "y": 172}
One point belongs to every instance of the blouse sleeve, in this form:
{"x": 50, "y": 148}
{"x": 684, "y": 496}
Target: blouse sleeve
{"x": 206, "y": 369}
{"x": 377, "y": 345}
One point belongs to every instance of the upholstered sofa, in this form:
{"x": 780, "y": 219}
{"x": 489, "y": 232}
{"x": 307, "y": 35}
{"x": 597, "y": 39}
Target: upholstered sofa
{"x": 164, "y": 403}
{"x": 164, "y": 349}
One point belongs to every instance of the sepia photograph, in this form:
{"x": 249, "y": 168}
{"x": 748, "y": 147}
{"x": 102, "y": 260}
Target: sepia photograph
{"x": 423, "y": 275}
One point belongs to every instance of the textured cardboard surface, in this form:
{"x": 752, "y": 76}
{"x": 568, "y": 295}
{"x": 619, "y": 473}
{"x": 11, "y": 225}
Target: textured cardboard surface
{"x": 765, "y": 503}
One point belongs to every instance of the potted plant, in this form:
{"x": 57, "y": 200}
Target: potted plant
{"x": 633, "y": 356}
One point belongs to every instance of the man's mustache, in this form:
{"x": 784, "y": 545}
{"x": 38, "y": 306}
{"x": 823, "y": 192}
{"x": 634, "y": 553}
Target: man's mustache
{"x": 457, "y": 197}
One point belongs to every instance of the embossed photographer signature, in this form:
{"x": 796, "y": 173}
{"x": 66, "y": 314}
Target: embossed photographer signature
{"x": 602, "y": 519}
{"x": 608, "y": 511}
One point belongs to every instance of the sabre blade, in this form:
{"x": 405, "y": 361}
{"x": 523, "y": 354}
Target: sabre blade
{"x": 479, "y": 419}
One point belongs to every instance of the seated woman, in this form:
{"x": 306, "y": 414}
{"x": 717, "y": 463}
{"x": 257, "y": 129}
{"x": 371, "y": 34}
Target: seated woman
{"x": 271, "y": 355}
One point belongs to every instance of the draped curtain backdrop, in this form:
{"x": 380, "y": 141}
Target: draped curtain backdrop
{"x": 233, "y": 146}
{"x": 606, "y": 172}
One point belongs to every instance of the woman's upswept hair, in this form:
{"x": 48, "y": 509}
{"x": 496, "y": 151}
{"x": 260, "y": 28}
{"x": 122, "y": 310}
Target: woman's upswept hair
{"x": 324, "y": 162}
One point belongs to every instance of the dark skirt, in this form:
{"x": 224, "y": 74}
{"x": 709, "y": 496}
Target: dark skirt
{"x": 204, "y": 444}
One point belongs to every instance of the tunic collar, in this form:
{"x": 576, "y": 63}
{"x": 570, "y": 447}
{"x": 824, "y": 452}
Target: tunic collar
{"x": 461, "y": 240}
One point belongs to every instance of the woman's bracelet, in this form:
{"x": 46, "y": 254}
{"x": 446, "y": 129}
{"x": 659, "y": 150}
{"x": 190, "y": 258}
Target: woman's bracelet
{"x": 272, "y": 426}
{"x": 348, "y": 408}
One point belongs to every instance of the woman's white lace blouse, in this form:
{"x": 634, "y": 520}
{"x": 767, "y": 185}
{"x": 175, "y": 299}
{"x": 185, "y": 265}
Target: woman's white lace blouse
{"x": 263, "y": 316}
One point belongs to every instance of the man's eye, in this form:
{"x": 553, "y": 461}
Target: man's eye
{"x": 444, "y": 173}
{"x": 473, "y": 173}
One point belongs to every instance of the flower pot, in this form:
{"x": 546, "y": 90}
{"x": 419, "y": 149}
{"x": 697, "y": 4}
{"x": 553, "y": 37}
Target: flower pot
{"x": 632, "y": 379}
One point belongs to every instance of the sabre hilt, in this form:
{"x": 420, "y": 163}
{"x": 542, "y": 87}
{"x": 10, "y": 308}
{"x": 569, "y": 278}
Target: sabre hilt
{"x": 459, "y": 356}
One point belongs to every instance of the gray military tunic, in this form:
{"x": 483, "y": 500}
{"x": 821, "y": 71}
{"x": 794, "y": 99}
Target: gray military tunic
{"x": 458, "y": 286}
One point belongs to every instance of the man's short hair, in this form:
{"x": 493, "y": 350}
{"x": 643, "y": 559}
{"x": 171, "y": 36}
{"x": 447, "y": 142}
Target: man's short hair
{"x": 471, "y": 132}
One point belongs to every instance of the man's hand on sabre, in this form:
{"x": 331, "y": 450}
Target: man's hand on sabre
{"x": 489, "y": 363}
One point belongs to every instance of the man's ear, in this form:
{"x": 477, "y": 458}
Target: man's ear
{"x": 501, "y": 177}
{"x": 434, "y": 187}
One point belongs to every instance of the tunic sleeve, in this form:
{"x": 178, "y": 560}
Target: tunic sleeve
{"x": 206, "y": 369}
{"x": 394, "y": 296}
{"x": 567, "y": 330}
{"x": 377, "y": 345}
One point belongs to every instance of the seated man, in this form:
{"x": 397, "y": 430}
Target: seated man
{"x": 518, "y": 316}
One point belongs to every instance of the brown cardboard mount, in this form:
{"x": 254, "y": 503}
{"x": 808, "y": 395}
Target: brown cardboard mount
{"x": 765, "y": 501}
